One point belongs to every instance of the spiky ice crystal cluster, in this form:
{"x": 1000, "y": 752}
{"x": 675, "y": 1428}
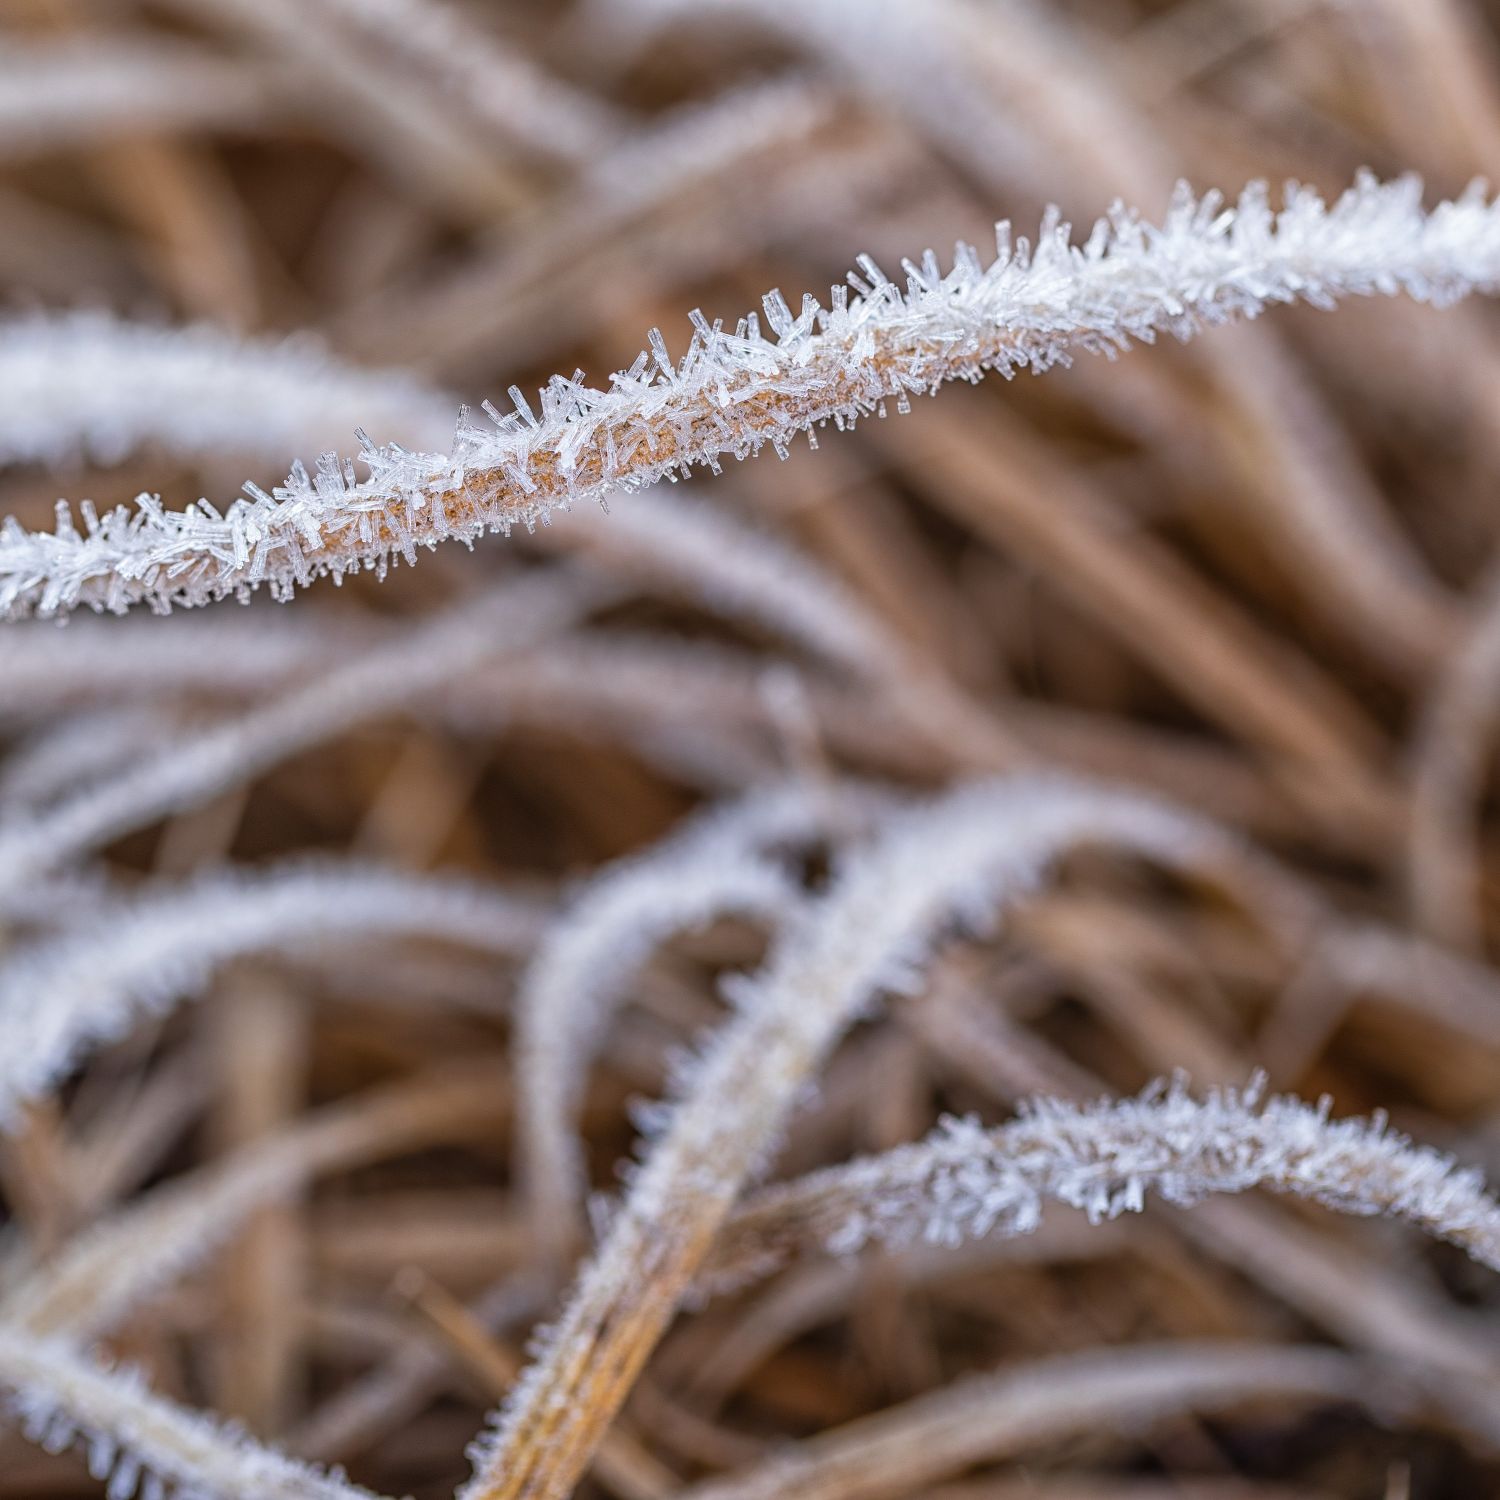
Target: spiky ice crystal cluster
{"x": 967, "y": 1182}
{"x": 735, "y": 392}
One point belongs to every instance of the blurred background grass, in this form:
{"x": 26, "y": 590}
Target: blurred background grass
{"x": 1255, "y": 573}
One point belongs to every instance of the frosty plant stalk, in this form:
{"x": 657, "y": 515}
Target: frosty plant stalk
{"x": 965, "y": 1182}
{"x": 733, "y": 392}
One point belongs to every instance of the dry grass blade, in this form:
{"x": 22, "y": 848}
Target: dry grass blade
{"x": 962, "y": 859}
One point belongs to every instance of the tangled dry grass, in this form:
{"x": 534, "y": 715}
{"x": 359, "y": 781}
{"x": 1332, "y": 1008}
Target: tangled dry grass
{"x": 960, "y": 963}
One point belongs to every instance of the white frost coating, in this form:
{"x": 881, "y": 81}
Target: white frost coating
{"x": 966, "y": 1182}
{"x": 735, "y": 392}
{"x": 719, "y": 863}
{"x": 961, "y": 860}
{"x": 140, "y": 1443}
{"x": 75, "y": 90}
{"x": 89, "y": 386}
{"x": 94, "y": 982}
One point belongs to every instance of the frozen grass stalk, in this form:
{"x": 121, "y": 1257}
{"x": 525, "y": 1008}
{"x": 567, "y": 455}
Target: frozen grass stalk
{"x": 734, "y": 392}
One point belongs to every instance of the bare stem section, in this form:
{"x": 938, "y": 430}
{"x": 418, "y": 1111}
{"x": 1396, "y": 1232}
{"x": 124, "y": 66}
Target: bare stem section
{"x": 735, "y": 392}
